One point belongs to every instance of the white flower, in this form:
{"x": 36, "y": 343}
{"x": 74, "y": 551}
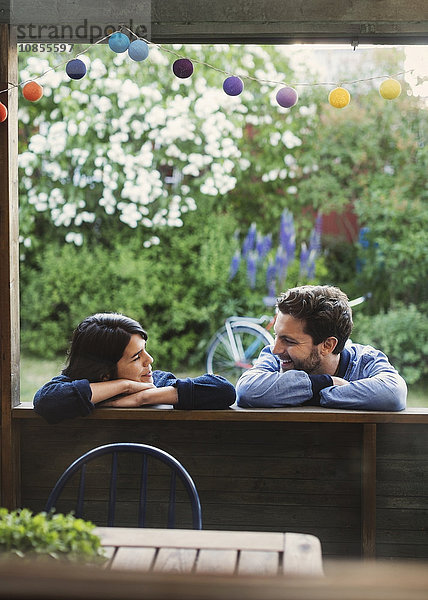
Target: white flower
{"x": 38, "y": 144}
{"x": 75, "y": 238}
{"x": 290, "y": 140}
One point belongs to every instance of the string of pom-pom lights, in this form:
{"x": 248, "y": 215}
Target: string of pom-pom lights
{"x": 183, "y": 67}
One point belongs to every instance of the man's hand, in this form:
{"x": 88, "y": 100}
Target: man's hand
{"x": 339, "y": 381}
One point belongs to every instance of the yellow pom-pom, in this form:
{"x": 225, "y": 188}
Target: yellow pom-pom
{"x": 339, "y": 97}
{"x": 390, "y": 89}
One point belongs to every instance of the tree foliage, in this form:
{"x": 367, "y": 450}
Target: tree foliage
{"x": 137, "y": 188}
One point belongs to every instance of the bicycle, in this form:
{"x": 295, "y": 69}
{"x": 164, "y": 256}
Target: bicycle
{"x": 235, "y": 347}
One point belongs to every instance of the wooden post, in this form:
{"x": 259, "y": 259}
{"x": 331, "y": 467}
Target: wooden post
{"x": 9, "y": 269}
{"x": 368, "y": 491}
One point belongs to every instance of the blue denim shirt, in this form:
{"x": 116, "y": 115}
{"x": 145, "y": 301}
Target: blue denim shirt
{"x": 374, "y": 384}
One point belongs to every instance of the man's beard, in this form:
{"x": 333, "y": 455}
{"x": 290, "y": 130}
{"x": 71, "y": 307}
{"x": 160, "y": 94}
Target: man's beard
{"x": 311, "y": 364}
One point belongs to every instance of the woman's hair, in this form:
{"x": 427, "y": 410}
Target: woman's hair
{"x": 323, "y": 309}
{"x": 97, "y": 345}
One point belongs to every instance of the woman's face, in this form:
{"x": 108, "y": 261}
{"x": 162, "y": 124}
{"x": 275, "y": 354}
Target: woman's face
{"x": 135, "y": 363}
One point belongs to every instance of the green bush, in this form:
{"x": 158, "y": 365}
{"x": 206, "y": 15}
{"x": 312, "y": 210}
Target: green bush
{"x": 178, "y": 290}
{"x": 58, "y": 536}
{"x": 402, "y": 333}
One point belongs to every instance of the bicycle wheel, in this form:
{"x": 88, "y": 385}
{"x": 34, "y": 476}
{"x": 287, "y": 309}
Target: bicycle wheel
{"x": 231, "y": 355}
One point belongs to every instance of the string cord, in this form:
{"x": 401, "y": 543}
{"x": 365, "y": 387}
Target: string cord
{"x": 200, "y": 62}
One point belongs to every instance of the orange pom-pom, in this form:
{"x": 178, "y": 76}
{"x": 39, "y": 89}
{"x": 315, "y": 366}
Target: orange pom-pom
{"x": 32, "y": 91}
{"x": 3, "y": 112}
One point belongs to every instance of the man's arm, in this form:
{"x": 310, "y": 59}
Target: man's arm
{"x": 263, "y": 385}
{"x": 374, "y": 385}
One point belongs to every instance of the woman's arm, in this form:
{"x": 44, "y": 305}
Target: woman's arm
{"x": 63, "y": 398}
{"x": 206, "y": 392}
{"x": 147, "y": 397}
{"x": 104, "y": 390}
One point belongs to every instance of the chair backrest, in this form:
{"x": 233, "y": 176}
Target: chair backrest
{"x": 176, "y": 470}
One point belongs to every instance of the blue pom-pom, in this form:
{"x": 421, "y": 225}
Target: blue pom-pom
{"x": 75, "y": 69}
{"x": 118, "y": 42}
{"x": 138, "y": 50}
{"x": 233, "y": 86}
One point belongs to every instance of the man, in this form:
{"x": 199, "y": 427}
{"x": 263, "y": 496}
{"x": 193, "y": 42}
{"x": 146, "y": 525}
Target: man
{"x": 312, "y": 362}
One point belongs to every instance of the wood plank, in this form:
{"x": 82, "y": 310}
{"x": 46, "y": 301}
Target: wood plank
{"x": 292, "y": 415}
{"x": 302, "y": 21}
{"x": 175, "y": 560}
{"x": 140, "y": 559}
{"x": 217, "y": 561}
{"x": 243, "y": 21}
{"x": 109, "y": 552}
{"x": 189, "y": 538}
{"x": 302, "y": 555}
{"x": 254, "y": 562}
{"x": 368, "y": 492}
{"x": 9, "y": 272}
{"x": 377, "y": 581}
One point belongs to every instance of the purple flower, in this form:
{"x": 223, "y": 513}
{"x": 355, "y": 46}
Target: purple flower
{"x": 234, "y": 264}
{"x": 304, "y": 258}
{"x": 251, "y": 269}
{"x": 271, "y": 279}
{"x": 281, "y": 264}
{"x": 250, "y": 240}
{"x": 287, "y": 234}
{"x": 263, "y": 245}
{"x": 309, "y": 254}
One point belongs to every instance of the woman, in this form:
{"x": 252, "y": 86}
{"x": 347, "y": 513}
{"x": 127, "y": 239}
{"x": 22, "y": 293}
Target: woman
{"x": 108, "y": 365}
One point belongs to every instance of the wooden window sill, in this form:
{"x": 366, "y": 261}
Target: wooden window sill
{"x": 303, "y": 414}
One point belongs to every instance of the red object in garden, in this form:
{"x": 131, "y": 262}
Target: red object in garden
{"x": 3, "y": 112}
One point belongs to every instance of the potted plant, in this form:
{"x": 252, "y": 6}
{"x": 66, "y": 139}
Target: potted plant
{"x": 55, "y": 536}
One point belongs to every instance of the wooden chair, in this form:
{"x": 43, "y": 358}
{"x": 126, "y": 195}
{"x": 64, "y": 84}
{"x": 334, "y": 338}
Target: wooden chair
{"x": 176, "y": 468}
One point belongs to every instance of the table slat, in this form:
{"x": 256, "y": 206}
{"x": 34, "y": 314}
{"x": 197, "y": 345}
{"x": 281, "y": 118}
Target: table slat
{"x": 217, "y": 561}
{"x": 258, "y": 563}
{"x": 134, "y": 558}
{"x": 175, "y": 560}
{"x": 109, "y": 552}
{"x": 191, "y": 538}
{"x": 302, "y": 554}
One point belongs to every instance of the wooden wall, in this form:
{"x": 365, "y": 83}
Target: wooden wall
{"x": 241, "y": 21}
{"x": 402, "y": 491}
{"x": 287, "y": 476}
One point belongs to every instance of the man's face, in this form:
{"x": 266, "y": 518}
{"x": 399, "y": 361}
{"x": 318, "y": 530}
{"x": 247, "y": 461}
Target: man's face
{"x": 135, "y": 363}
{"x": 295, "y": 348}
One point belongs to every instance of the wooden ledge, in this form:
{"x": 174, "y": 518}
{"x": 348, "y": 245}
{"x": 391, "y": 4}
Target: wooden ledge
{"x": 304, "y": 414}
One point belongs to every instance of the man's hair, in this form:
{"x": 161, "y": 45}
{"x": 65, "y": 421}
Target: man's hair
{"x": 323, "y": 309}
{"x": 97, "y": 345}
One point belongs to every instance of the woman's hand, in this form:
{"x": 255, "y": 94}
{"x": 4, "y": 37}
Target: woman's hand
{"x": 104, "y": 390}
{"x": 145, "y": 397}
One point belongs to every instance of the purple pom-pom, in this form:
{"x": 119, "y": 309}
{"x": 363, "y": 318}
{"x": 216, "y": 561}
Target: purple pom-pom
{"x": 233, "y": 86}
{"x": 75, "y": 69}
{"x": 287, "y": 97}
{"x": 183, "y": 68}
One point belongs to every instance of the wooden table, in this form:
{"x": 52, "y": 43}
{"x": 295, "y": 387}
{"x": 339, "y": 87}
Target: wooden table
{"x": 208, "y": 551}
